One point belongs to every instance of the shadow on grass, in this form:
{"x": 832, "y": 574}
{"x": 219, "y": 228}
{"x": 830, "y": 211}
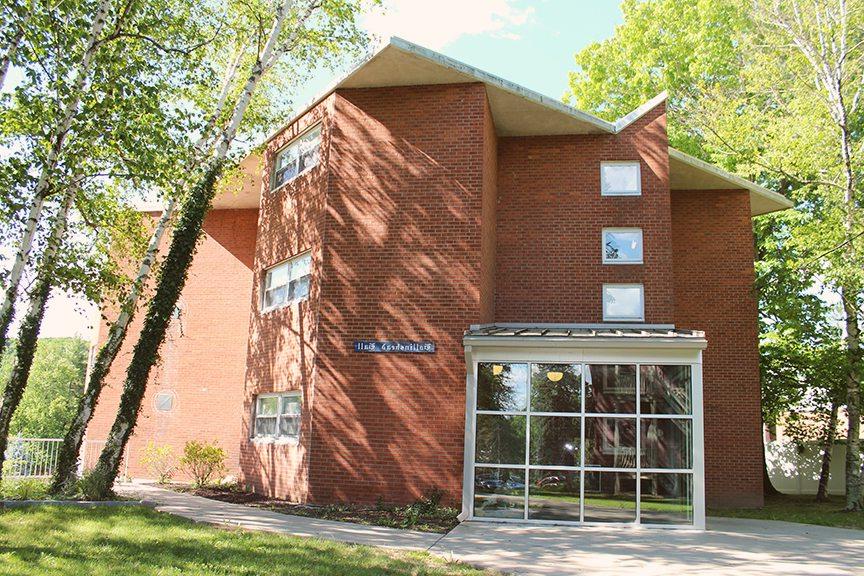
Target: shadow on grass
{"x": 54, "y": 540}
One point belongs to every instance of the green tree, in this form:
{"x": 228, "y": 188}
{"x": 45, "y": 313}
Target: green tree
{"x": 299, "y": 31}
{"x": 770, "y": 89}
{"x": 92, "y": 129}
{"x": 56, "y": 382}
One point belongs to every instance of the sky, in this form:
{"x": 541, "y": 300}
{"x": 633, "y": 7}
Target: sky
{"x": 529, "y": 43}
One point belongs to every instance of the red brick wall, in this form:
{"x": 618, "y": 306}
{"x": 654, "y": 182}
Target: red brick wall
{"x": 713, "y": 246}
{"x": 283, "y": 342}
{"x": 551, "y": 215}
{"x": 203, "y": 359}
{"x": 402, "y": 260}
{"x": 490, "y": 207}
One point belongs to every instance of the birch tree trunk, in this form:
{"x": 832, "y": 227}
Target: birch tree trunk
{"x": 43, "y": 183}
{"x": 29, "y": 332}
{"x": 827, "y": 449}
{"x": 173, "y": 274}
{"x": 67, "y": 459}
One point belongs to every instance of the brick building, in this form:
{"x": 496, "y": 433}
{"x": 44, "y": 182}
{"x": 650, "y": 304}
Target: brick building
{"x": 434, "y": 278}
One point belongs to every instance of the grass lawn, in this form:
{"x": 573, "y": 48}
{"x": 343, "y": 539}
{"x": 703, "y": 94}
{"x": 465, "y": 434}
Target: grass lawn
{"x": 139, "y": 541}
{"x": 802, "y": 509}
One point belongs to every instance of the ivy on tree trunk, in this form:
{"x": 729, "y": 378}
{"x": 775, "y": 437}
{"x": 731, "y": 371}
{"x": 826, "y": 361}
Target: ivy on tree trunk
{"x": 171, "y": 279}
{"x": 28, "y": 334}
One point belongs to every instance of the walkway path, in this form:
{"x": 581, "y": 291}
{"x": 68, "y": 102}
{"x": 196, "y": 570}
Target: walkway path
{"x": 225, "y": 513}
{"x": 729, "y": 547}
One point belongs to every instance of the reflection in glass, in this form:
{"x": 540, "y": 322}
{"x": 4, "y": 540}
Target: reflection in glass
{"x": 619, "y": 178}
{"x": 499, "y": 493}
{"x": 500, "y": 439}
{"x": 666, "y": 443}
{"x": 610, "y": 442}
{"x": 556, "y": 387}
{"x": 666, "y": 390}
{"x": 502, "y": 387}
{"x": 667, "y": 499}
{"x": 623, "y": 302}
{"x": 553, "y": 495}
{"x": 610, "y": 497}
{"x": 610, "y": 389}
{"x": 555, "y": 441}
{"x": 622, "y": 245}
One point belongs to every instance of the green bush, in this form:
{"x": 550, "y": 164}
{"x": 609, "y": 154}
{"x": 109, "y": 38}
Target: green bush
{"x": 159, "y": 461}
{"x": 93, "y": 486}
{"x": 204, "y": 462}
{"x": 24, "y": 489}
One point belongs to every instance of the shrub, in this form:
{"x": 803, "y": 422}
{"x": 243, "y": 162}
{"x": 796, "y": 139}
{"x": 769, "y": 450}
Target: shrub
{"x": 160, "y": 462}
{"x": 203, "y": 462}
{"x": 93, "y": 485}
{"x": 24, "y": 489}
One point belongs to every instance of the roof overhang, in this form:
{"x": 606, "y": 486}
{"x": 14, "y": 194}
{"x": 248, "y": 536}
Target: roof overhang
{"x": 516, "y": 110}
{"x": 689, "y": 173}
{"x": 583, "y": 336}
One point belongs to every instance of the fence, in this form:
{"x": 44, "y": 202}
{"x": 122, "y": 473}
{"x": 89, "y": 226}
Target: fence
{"x": 37, "y": 457}
{"x": 794, "y": 468}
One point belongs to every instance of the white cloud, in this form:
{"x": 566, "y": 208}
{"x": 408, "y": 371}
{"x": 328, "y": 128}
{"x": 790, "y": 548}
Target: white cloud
{"x": 438, "y": 23}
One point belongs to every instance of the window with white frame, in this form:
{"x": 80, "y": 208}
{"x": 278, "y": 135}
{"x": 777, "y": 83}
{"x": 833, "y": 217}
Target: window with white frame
{"x": 298, "y": 156}
{"x": 622, "y": 246}
{"x": 620, "y": 179}
{"x": 277, "y": 416}
{"x": 287, "y": 283}
{"x": 584, "y": 442}
{"x": 623, "y": 302}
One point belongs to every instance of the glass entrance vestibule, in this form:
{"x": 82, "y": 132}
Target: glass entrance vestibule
{"x": 589, "y": 441}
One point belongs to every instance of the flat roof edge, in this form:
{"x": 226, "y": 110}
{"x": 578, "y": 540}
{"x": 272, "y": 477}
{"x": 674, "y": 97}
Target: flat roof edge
{"x": 586, "y": 342}
{"x": 733, "y": 179}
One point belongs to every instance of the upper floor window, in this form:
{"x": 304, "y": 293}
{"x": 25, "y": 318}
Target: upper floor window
{"x": 623, "y": 302}
{"x": 277, "y": 416}
{"x": 287, "y": 282}
{"x": 299, "y": 155}
{"x": 622, "y": 246}
{"x": 620, "y": 179}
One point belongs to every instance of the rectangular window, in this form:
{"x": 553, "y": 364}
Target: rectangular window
{"x": 622, "y": 246}
{"x": 298, "y": 156}
{"x": 623, "y": 302}
{"x": 569, "y": 442}
{"x": 277, "y": 416}
{"x": 620, "y": 179}
{"x": 287, "y": 283}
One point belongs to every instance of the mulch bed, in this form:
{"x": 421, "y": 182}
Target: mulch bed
{"x": 420, "y": 516}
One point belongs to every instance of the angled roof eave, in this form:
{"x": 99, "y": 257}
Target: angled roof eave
{"x": 762, "y": 200}
{"x": 559, "y": 118}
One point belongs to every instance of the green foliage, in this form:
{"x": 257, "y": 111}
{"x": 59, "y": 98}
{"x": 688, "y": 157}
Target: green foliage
{"x": 662, "y": 45}
{"x": 160, "y": 461}
{"x": 55, "y": 384}
{"x": 23, "y": 489}
{"x": 94, "y": 485}
{"x": 203, "y": 461}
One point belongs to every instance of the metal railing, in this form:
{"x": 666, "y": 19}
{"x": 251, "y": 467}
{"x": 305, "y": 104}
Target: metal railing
{"x": 37, "y": 457}
{"x": 31, "y": 457}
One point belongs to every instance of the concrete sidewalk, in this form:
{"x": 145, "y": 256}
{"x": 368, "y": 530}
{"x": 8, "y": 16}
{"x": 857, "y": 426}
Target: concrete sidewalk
{"x": 238, "y": 515}
{"x": 729, "y": 547}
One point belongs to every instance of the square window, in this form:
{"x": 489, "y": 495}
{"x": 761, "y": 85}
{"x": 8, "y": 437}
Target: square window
{"x": 620, "y": 179}
{"x": 277, "y": 416}
{"x": 287, "y": 282}
{"x": 502, "y": 387}
{"x": 296, "y": 157}
{"x": 499, "y": 492}
{"x": 623, "y": 302}
{"x": 622, "y": 246}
